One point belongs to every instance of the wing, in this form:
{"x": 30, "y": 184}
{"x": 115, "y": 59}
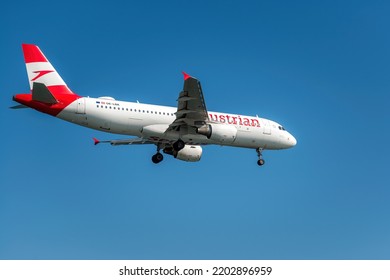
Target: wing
{"x": 191, "y": 107}
{"x": 125, "y": 141}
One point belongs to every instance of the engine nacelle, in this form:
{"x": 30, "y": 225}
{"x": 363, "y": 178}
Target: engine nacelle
{"x": 189, "y": 153}
{"x": 218, "y": 132}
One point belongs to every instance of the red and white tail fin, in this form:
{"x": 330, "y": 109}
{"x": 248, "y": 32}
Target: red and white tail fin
{"x": 40, "y": 70}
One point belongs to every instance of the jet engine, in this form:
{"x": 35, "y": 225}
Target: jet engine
{"x": 218, "y": 132}
{"x": 189, "y": 153}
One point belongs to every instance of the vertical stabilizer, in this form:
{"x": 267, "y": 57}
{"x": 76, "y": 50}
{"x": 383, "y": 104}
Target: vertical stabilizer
{"x": 40, "y": 70}
{"x": 49, "y": 93}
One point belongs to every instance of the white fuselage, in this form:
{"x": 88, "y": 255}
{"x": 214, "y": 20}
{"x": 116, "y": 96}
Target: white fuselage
{"x": 177, "y": 131}
{"x": 131, "y": 118}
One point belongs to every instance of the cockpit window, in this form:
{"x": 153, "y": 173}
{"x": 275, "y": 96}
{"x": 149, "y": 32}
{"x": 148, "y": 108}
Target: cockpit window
{"x": 281, "y": 128}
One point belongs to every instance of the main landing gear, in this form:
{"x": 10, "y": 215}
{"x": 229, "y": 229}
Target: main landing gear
{"x": 177, "y": 146}
{"x": 261, "y": 161}
{"x": 157, "y": 158}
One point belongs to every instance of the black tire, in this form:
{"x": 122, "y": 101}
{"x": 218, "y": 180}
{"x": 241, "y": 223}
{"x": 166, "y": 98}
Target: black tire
{"x": 261, "y": 162}
{"x": 178, "y": 145}
{"x": 159, "y": 157}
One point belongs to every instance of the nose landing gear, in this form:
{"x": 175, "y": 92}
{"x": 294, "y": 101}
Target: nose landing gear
{"x": 261, "y": 161}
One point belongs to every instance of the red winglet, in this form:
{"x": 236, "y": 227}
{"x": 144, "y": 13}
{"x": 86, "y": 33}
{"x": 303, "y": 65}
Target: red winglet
{"x": 96, "y": 141}
{"x": 186, "y": 76}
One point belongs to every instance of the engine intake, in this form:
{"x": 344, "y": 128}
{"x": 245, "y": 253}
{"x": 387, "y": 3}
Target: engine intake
{"x": 189, "y": 153}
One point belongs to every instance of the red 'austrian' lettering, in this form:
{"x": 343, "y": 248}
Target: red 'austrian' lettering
{"x": 238, "y": 120}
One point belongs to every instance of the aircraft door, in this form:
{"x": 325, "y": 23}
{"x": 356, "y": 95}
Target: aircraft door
{"x": 80, "y": 106}
{"x": 266, "y": 127}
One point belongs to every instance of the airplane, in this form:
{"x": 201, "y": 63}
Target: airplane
{"x": 178, "y": 131}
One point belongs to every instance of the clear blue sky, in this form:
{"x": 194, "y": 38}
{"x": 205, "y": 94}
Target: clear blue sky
{"x": 321, "y": 68}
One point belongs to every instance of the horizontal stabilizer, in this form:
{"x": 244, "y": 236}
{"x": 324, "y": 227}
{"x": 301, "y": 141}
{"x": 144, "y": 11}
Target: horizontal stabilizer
{"x": 19, "y": 107}
{"x": 42, "y": 94}
{"x": 124, "y": 141}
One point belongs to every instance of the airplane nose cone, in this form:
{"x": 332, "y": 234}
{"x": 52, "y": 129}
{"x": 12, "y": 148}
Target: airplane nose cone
{"x": 293, "y": 141}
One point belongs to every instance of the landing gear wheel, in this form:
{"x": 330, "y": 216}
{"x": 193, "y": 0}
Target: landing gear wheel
{"x": 178, "y": 145}
{"x": 261, "y": 162}
{"x": 157, "y": 158}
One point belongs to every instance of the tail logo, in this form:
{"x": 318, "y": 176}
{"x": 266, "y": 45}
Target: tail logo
{"x": 41, "y": 73}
